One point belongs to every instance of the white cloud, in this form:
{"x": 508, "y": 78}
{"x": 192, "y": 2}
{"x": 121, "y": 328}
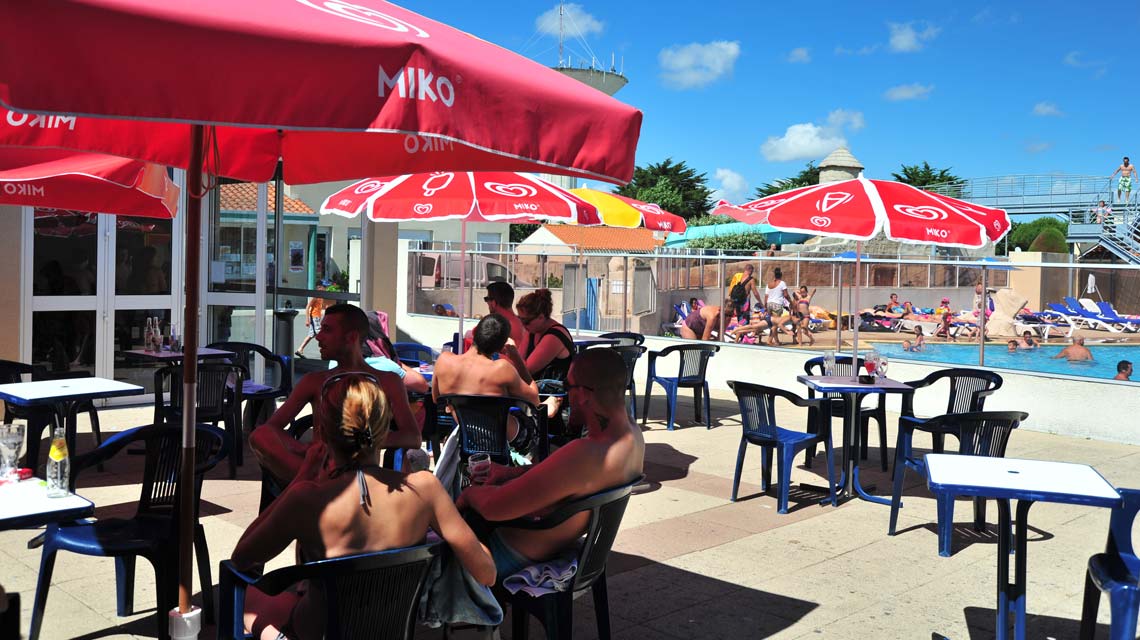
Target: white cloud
{"x": 1038, "y": 147}
{"x": 799, "y": 55}
{"x": 1046, "y": 109}
{"x": 576, "y": 18}
{"x": 810, "y": 141}
{"x": 1073, "y": 59}
{"x": 733, "y": 186}
{"x": 867, "y": 50}
{"x": 695, "y": 65}
{"x": 914, "y": 91}
{"x": 1077, "y": 60}
{"x": 905, "y": 38}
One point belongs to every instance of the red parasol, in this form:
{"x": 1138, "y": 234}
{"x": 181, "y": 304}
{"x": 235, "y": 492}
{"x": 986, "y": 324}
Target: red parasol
{"x": 86, "y": 181}
{"x": 346, "y": 77}
{"x": 302, "y": 73}
{"x": 483, "y": 196}
{"x": 858, "y": 209}
{"x": 472, "y": 196}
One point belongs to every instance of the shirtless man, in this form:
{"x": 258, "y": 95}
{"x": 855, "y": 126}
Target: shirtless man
{"x": 1075, "y": 352}
{"x": 475, "y": 372}
{"x": 1027, "y": 341}
{"x": 611, "y": 454}
{"x": 340, "y": 339}
{"x": 1123, "y": 370}
{"x": 1126, "y": 171}
{"x": 500, "y": 299}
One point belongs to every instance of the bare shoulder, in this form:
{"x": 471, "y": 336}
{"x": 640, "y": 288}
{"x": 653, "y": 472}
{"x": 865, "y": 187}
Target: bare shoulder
{"x": 424, "y": 484}
{"x": 303, "y": 496}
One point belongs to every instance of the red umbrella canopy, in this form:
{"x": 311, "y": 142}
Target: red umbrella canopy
{"x": 414, "y": 93}
{"x": 480, "y": 196}
{"x": 653, "y": 217}
{"x": 858, "y": 209}
{"x": 85, "y": 181}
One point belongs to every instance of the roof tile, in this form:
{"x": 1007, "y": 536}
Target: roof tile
{"x": 605, "y": 238}
{"x": 242, "y": 196}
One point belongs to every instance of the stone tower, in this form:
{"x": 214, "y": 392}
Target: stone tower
{"x": 839, "y": 165}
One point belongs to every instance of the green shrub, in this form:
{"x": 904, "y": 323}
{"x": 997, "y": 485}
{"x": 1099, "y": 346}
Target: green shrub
{"x": 1050, "y": 240}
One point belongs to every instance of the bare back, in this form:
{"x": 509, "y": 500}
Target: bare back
{"x": 474, "y": 374}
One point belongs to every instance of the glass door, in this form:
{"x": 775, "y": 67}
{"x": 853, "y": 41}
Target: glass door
{"x": 90, "y": 281}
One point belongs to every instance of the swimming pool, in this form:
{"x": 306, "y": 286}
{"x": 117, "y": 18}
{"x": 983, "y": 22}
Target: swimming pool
{"x": 1037, "y": 360}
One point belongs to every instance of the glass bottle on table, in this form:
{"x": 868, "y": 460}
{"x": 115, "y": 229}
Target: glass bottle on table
{"x": 58, "y": 466}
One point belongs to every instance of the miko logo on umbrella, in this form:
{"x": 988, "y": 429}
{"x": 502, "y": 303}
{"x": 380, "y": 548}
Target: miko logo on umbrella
{"x": 512, "y": 190}
{"x": 422, "y": 208}
{"x": 365, "y": 15}
{"x": 822, "y": 222}
{"x": 369, "y": 186}
{"x": 922, "y": 213}
{"x": 831, "y": 200}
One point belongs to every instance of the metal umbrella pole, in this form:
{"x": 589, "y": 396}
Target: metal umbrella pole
{"x": 462, "y": 282}
{"x": 839, "y": 319}
{"x": 180, "y": 623}
{"x": 984, "y": 306}
{"x": 855, "y": 312}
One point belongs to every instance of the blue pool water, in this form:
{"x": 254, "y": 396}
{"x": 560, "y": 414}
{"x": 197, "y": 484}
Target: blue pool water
{"x": 1038, "y": 360}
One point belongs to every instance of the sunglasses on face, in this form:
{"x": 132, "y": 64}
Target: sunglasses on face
{"x": 569, "y": 386}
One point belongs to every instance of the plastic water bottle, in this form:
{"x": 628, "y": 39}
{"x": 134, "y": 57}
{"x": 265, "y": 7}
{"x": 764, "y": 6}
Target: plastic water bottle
{"x": 58, "y": 466}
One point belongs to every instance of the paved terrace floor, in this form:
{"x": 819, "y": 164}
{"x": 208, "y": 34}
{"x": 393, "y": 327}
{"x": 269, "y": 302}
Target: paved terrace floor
{"x": 688, "y": 563}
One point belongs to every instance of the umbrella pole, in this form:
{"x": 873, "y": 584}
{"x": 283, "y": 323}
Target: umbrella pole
{"x": 186, "y": 519}
{"x": 855, "y": 313}
{"x": 982, "y": 323}
{"x": 462, "y": 281}
{"x": 839, "y": 319}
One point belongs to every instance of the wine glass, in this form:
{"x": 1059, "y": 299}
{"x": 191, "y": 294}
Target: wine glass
{"x": 881, "y": 367}
{"x": 829, "y": 363}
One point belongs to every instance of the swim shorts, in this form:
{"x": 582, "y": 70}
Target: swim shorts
{"x": 1125, "y": 183}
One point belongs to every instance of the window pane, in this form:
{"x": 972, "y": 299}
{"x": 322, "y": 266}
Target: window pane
{"x": 142, "y": 260}
{"x": 233, "y": 238}
{"x": 231, "y": 324}
{"x": 130, "y": 325}
{"x": 64, "y": 249}
{"x": 64, "y": 340}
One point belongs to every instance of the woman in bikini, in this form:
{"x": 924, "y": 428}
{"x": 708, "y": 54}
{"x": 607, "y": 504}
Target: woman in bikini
{"x": 549, "y": 347}
{"x": 343, "y": 503}
{"x": 802, "y": 314}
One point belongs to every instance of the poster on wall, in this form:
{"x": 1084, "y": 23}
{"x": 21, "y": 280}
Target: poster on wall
{"x": 296, "y": 256}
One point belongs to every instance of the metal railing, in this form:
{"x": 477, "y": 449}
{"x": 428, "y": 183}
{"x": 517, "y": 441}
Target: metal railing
{"x": 1019, "y": 194}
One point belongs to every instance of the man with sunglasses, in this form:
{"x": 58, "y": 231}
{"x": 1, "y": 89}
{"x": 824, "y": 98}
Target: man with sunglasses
{"x": 500, "y": 299}
{"x": 611, "y": 454}
{"x": 340, "y": 338}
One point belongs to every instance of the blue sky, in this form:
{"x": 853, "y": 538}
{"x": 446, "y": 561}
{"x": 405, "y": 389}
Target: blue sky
{"x": 749, "y": 91}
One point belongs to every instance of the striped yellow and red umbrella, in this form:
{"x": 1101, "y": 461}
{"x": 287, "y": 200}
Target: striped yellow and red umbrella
{"x": 620, "y": 211}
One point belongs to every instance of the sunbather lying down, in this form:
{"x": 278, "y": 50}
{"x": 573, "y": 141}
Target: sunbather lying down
{"x": 761, "y": 321}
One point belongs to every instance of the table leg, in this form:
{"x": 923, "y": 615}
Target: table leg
{"x": 1001, "y": 625}
{"x": 1021, "y": 524}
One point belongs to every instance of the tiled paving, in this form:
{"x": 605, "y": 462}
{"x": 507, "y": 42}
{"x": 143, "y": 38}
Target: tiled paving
{"x": 689, "y": 563}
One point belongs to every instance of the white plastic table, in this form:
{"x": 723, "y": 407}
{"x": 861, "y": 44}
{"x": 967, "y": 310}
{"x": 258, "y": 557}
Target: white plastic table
{"x": 64, "y": 397}
{"x": 1027, "y": 481}
{"x": 26, "y": 504}
{"x": 175, "y": 357}
{"x": 853, "y": 390}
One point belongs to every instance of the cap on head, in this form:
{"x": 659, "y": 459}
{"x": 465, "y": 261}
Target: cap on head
{"x": 945, "y": 299}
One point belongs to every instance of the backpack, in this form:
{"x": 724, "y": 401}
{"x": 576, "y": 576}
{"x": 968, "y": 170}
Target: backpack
{"x": 739, "y": 293}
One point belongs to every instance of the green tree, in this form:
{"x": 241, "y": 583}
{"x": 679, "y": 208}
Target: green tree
{"x": 925, "y": 175}
{"x": 748, "y": 241}
{"x": 1050, "y": 240}
{"x": 708, "y": 220}
{"x": 663, "y": 194}
{"x": 805, "y": 178}
{"x": 520, "y": 232}
{"x": 1022, "y": 234}
{"x": 692, "y": 187}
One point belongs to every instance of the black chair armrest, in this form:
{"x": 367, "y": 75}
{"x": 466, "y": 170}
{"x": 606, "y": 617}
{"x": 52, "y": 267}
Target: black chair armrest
{"x": 560, "y": 514}
{"x": 102, "y": 453}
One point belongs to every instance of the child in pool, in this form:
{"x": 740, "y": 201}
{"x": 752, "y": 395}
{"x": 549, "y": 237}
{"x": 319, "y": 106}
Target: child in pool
{"x": 919, "y": 343}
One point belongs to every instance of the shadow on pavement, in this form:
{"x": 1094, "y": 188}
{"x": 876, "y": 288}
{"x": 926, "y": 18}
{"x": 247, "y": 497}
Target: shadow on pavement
{"x": 980, "y": 621}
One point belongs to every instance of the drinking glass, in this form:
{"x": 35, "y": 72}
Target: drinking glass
{"x": 881, "y": 367}
{"x": 11, "y": 439}
{"x": 478, "y": 466}
{"x": 829, "y": 363}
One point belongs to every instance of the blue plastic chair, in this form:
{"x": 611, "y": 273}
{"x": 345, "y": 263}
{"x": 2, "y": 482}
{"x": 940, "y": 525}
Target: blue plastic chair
{"x": 630, "y": 354}
{"x": 276, "y": 383}
{"x": 979, "y": 433}
{"x": 414, "y": 354}
{"x": 969, "y": 389}
{"x": 758, "y": 418}
{"x": 150, "y": 534}
{"x": 556, "y": 610}
{"x": 482, "y": 422}
{"x": 1117, "y": 573}
{"x": 368, "y": 595}
{"x": 694, "y": 360}
{"x": 624, "y": 338}
{"x": 838, "y": 407}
